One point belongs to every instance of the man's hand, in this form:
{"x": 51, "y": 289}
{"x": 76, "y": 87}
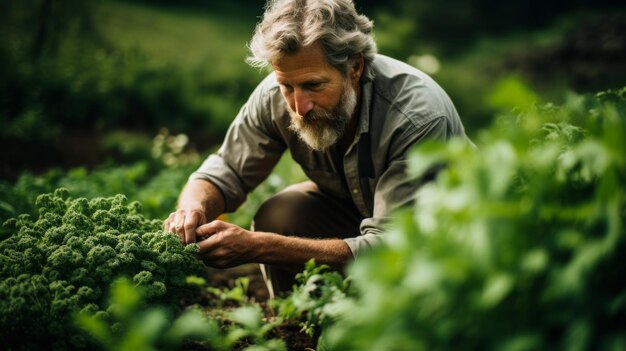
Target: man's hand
{"x": 225, "y": 245}
{"x": 199, "y": 202}
{"x": 184, "y": 223}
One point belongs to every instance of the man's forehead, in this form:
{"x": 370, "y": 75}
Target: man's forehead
{"x": 307, "y": 58}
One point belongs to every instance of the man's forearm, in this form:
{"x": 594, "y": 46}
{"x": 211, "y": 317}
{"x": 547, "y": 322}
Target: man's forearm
{"x": 284, "y": 250}
{"x": 202, "y": 195}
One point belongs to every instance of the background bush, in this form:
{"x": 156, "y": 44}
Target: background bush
{"x": 74, "y": 71}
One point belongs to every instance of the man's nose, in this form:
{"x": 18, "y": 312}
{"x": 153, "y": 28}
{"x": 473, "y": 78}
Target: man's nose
{"x": 303, "y": 103}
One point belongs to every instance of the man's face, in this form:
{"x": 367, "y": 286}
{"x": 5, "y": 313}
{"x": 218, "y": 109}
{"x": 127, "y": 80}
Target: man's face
{"x": 321, "y": 101}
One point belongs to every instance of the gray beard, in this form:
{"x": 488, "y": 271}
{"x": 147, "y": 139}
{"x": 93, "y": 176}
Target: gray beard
{"x": 323, "y": 129}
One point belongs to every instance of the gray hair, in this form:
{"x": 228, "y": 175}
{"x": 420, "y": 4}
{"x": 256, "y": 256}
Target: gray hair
{"x": 288, "y": 25}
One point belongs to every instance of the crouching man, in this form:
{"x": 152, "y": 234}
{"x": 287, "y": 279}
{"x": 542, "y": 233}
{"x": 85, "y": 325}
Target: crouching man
{"x": 349, "y": 118}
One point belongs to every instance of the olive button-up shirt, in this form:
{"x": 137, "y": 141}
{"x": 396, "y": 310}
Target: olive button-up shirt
{"x": 400, "y": 108}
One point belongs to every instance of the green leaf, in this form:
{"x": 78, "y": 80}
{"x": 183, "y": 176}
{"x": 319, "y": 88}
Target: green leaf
{"x": 247, "y": 316}
{"x": 511, "y": 92}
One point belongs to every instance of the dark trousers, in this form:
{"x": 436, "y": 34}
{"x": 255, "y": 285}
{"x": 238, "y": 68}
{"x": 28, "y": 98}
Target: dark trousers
{"x": 303, "y": 210}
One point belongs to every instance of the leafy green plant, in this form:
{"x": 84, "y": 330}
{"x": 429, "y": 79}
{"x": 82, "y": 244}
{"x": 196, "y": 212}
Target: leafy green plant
{"x": 515, "y": 246}
{"x": 243, "y": 324}
{"x": 63, "y": 259}
{"x": 157, "y": 189}
{"x": 237, "y": 294}
{"x": 250, "y": 323}
{"x": 313, "y": 298}
{"x": 129, "y": 325}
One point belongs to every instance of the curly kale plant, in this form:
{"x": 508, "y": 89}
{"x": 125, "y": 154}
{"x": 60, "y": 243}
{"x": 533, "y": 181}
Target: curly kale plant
{"x": 64, "y": 260}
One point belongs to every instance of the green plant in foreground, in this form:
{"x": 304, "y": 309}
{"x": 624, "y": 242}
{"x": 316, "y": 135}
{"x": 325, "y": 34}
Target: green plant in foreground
{"x": 126, "y": 326}
{"x": 220, "y": 296}
{"x": 313, "y": 298}
{"x": 516, "y": 246}
{"x": 63, "y": 261}
{"x": 130, "y": 324}
{"x": 242, "y": 322}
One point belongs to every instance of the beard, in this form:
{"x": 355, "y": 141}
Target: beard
{"x": 321, "y": 129}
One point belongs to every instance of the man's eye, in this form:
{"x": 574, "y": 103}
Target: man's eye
{"x": 312, "y": 86}
{"x": 286, "y": 87}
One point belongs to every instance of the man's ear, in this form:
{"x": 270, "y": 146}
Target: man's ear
{"x": 356, "y": 71}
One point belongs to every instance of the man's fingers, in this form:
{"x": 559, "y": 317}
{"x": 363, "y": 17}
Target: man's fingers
{"x": 207, "y": 245}
{"x": 166, "y": 223}
{"x": 173, "y": 224}
{"x": 184, "y": 224}
{"x": 209, "y": 242}
{"x": 209, "y": 228}
{"x": 192, "y": 220}
{"x": 169, "y": 223}
{"x": 179, "y": 223}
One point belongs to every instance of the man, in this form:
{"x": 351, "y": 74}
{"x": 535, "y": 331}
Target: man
{"x": 348, "y": 116}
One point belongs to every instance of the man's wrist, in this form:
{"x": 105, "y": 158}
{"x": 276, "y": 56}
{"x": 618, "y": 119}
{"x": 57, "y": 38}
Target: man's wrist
{"x": 263, "y": 243}
{"x": 271, "y": 248}
{"x": 203, "y": 197}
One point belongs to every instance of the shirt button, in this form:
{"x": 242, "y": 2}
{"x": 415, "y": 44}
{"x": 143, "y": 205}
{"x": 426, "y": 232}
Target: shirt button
{"x": 355, "y": 191}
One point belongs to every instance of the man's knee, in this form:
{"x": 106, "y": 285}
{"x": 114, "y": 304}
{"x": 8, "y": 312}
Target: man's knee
{"x": 284, "y": 213}
{"x": 303, "y": 210}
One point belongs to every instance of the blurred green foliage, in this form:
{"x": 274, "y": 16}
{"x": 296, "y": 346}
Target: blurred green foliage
{"x": 106, "y": 65}
{"x": 514, "y": 246}
{"x": 511, "y": 93}
{"x": 155, "y": 182}
{"x": 454, "y": 26}
{"x": 153, "y": 174}
{"x": 314, "y": 297}
{"x": 132, "y": 325}
{"x": 469, "y": 46}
